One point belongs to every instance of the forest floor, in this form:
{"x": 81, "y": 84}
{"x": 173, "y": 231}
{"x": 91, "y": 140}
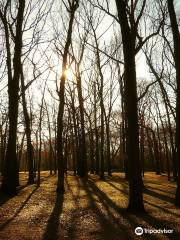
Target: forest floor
{"x": 91, "y": 210}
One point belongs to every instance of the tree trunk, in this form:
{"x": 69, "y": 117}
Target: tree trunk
{"x": 83, "y": 159}
{"x": 40, "y": 137}
{"x": 108, "y": 147}
{"x": 91, "y": 147}
{"x": 156, "y": 153}
{"x": 102, "y": 136}
{"x": 142, "y": 125}
{"x": 96, "y": 132}
{"x": 101, "y": 86}
{"x": 50, "y": 142}
{"x": 124, "y": 124}
{"x": 28, "y": 132}
{"x": 60, "y": 157}
{"x": 150, "y": 148}
{"x": 130, "y": 97}
{"x": 11, "y": 175}
{"x": 176, "y": 38}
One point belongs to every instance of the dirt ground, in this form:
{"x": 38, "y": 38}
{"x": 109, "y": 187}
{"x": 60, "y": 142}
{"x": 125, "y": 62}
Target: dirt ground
{"x": 92, "y": 210}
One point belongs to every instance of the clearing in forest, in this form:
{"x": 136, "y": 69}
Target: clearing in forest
{"x": 92, "y": 210}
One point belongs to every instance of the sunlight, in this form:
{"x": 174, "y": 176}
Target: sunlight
{"x": 69, "y": 74}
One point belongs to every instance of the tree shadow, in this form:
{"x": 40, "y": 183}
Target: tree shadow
{"x": 3, "y": 225}
{"x": 109, "y": 223}
{"x": 158, "y": 195}
{"x": 117, "y": 179}
{"x": 74, "y": 197}
{"x": 4, "y": 198}
{"x": 158, "y": 189}
{"x": 147, "y": 217}
{"x": 147, "y": 190}
{"x": 162, "y": 208}
{"x": 52, "y": 231}
{"x": 125, "y": 192}
{"x": 43, "y": 179}
{"x": 71, "y": 228}
{"x": 155, "y": 182}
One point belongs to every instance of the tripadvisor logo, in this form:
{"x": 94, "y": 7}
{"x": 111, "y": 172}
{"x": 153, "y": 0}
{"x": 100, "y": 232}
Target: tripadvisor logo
{"x": 139, "y": 231}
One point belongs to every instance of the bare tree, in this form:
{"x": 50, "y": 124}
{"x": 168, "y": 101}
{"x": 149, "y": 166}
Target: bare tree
{"x": 10, "y": 178}
{"x": 129, "y": 32}
{"x": 176, "y": 39}
{"x": 73, "y": 5}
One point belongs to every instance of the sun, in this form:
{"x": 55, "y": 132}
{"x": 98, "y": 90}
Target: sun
{"x": 69, "y": 74}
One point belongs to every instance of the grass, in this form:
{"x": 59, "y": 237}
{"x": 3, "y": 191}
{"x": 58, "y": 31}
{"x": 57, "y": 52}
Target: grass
{"x": 93, "y": 210}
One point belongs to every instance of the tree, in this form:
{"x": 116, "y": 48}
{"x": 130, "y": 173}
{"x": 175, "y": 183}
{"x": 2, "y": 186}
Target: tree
{"x": 176, "y": 39}
{"x": 82, "y": 168}
{"x": 3, "y": 137}
{"x": 10, "y": 178}
{"x": 40, "y": 135}
{"x": 27, "y": 131}
{"x": 100, "y": 92}
{"x": 73, "y": 5}
{"x": 129, "y": 18}
{"x": 168, "y": 106}
{"x": 130, "y": 90}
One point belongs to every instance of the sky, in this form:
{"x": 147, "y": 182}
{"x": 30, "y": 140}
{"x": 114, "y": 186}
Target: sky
{"x": 141, "y": 67}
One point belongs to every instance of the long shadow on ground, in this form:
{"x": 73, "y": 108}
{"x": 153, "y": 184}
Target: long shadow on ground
{"x": 97, "y": 224}
{"x": 121, "y": 213}
{"x": 2, "y": 226}
{"x": 148, "y": 190}
{"x": 147, "y": 218}
{"x": 109, "y": 223}
{"x": 4, "y": 198}
{"x": 125, "y": 192}
{"x": 53, "y": 230}
{"x": 158, "y": 195}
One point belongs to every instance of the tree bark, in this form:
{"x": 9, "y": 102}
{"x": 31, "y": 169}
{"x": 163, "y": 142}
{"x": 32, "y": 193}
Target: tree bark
{"x": 28, "y": 132}
{"x": 82, "y": 171}
{"x": 96, "y": 132}
{"x": 130, "y": 97}
{"x": 11, "y": 176}
{"x": 176, "y": 39}
{"x": 60, "y": 157}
